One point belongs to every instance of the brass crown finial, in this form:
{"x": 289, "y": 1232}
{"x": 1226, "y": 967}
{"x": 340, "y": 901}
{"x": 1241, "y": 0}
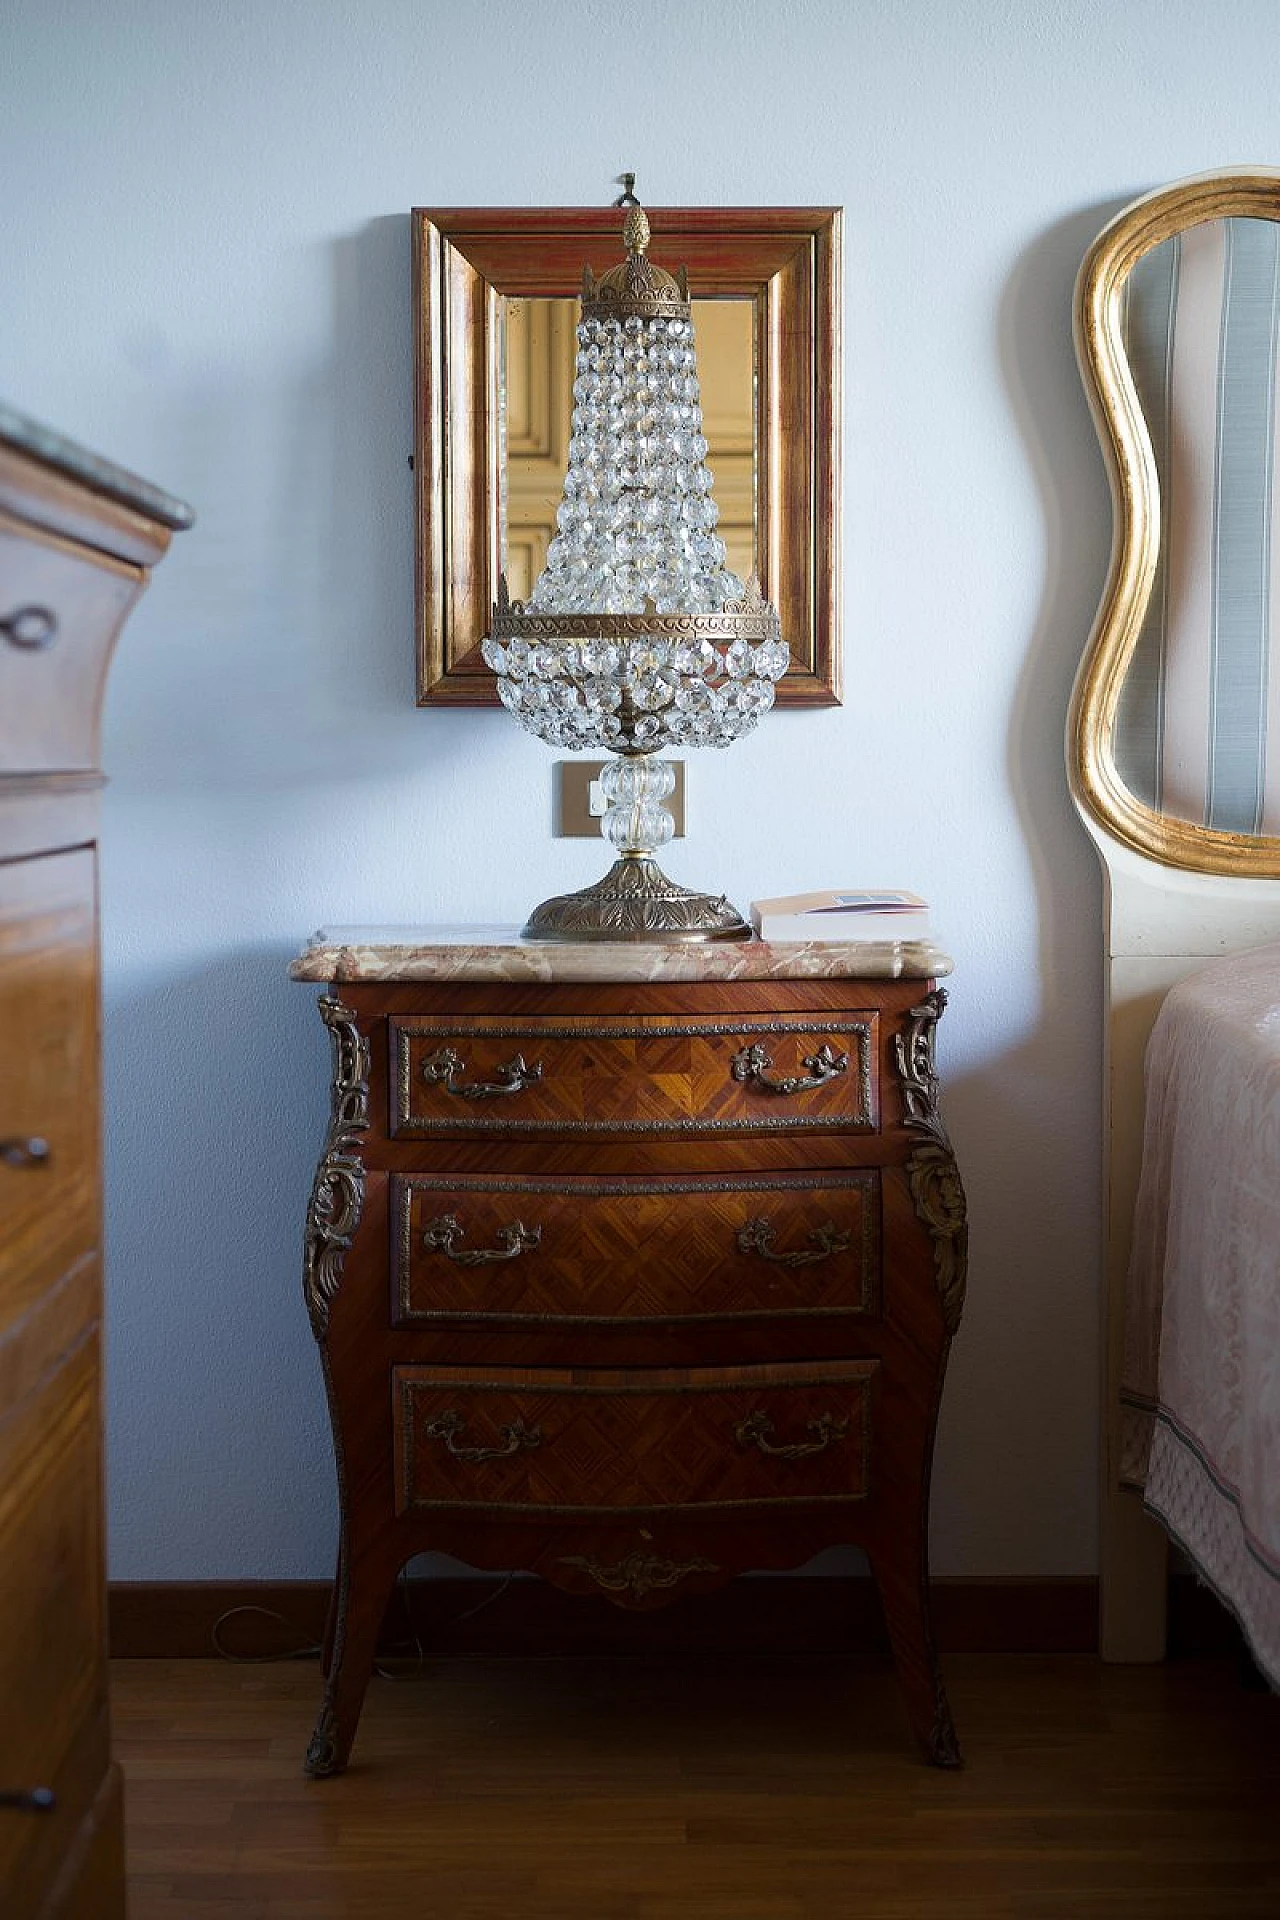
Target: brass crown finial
{"x": 635, "y": 286}
{"x": 635, "y": 230}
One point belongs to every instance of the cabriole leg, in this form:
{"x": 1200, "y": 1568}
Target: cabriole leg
{"x": 904, "y": 1594}
{"x": 360, "y": 1601}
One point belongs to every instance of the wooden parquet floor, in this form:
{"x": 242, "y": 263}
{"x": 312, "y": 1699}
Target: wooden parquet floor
{"x": 703, "y": 1789}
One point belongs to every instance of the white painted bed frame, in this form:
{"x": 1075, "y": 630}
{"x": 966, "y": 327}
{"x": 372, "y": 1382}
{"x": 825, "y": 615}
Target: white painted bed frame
{"x": 1177, "y": 895}
{"x": 1161, "y": 924}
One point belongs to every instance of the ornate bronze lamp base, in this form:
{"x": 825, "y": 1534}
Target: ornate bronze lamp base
{"x": 636, "y": 901}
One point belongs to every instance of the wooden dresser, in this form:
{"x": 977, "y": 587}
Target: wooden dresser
{"x": 77, "y": 538}
{"x": 634, "y": 1267}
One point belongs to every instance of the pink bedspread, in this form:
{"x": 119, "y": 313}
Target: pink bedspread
{"x": 1201, "y": 1382}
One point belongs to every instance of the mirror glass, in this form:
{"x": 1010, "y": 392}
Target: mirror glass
{"x": 535, "y": 394}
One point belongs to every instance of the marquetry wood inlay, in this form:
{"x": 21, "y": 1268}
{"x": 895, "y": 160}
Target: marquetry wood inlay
{"x": 644, "y": 1291}
{"x": 634, "y": 1252}
{"x": 643, "y": 1077}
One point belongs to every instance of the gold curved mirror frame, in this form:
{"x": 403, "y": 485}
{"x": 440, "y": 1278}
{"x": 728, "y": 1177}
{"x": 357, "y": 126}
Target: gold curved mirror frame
{"x": 495, "y": 295}
{"x": 1136, "y": 560}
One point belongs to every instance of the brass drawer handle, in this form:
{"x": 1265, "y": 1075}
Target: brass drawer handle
{"x": 30, "y": 628}
{"x": 755, "y": 1430}
{"x": 447, "y": 1427}
{"x": 29, "y": 1799}
{"x": 439, "y": 1236}
{"x": 441, "y": 1068}
{"x": 757, "y": 1237}
{"x": 752, "y": 1065}
{"x": 31, "y": 1152}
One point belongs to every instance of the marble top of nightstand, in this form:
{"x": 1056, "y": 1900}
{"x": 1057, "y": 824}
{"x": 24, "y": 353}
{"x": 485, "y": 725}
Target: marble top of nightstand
{"x": 499, "y": 953}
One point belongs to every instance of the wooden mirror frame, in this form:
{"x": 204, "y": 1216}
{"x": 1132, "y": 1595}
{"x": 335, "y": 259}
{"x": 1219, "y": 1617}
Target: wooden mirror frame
{"x": 1135, "y": 493}
{"x": 466, "y": 259}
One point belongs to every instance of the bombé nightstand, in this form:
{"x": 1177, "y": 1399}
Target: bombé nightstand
{"x": 631, "y": 1266}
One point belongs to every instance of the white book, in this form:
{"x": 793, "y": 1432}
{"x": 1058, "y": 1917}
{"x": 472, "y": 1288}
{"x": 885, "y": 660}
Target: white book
{"x": 856, "y": 913}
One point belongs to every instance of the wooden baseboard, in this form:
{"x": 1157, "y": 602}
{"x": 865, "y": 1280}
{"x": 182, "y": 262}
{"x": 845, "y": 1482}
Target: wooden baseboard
{"x": 481, "y": 1616}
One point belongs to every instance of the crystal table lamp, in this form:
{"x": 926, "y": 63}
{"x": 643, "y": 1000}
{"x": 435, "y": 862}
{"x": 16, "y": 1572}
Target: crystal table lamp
{"x": 635, "y": 637}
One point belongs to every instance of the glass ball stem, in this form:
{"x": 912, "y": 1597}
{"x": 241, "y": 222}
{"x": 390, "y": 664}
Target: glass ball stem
{"x": 637, "y": 822}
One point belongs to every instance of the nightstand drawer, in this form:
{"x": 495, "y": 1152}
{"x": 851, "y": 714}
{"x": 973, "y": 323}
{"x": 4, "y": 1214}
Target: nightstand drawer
{"x": 631, "y": 1252}
{"x": 606, "y": 1442}
{"x": 650, "y": 1076}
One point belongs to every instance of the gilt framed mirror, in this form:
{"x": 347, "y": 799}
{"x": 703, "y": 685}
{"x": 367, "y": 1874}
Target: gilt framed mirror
{"x": 495, "y": 295}
{"x": 1171, "y": 746}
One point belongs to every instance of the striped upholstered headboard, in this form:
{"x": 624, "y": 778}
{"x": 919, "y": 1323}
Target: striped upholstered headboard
{"x": 1198, "y": 723}
{"x": 1174, "y": 736}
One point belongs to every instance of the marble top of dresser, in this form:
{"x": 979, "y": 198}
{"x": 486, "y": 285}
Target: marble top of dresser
{"x": 499, "y": 953}
{"x": 25, "y": 435}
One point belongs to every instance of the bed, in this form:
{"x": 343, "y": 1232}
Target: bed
{"x": 1200, "y": 1381}
{"x": 1173, "y": 751}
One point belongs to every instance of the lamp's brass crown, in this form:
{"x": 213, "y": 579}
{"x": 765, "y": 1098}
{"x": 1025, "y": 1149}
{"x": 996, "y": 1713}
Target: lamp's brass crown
{"x": 635, "y": 285}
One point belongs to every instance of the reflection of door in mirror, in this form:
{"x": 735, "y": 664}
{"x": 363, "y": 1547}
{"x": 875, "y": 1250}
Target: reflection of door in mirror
{"x": 536, "y": 402}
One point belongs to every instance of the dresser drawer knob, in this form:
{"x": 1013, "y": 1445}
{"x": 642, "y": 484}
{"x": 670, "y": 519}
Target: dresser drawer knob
{"x": 756, "y": 1429}
{"x": 29, "y": 1799}
{"x": 757, "y": 1236}
{"x": 30, "y": 628}
{"x": 31, "y": 1152}
{"x": 447, "y": 1427}
{"x": 442, "y": 1235}
{"x": 441, "y": 1069}
{"x": 752, "y": 1065}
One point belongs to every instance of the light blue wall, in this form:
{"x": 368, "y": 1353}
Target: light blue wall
{"x": 206, "y": 267}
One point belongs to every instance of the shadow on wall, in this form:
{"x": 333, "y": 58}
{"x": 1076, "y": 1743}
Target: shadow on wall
{"x": 371, "y": 507}
{"x": 1048, "y": 398}
{"x": 218, "y": 1086}
{"x": 1044, "y": 1312}
{"x": 1049, "y": 404}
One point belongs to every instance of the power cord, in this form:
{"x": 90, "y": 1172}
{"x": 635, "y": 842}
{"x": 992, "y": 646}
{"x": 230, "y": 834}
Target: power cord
{"x": 311, "y": 1650}
{"x": 308, "y": 1652}
{"x": 455, "y": 1620}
